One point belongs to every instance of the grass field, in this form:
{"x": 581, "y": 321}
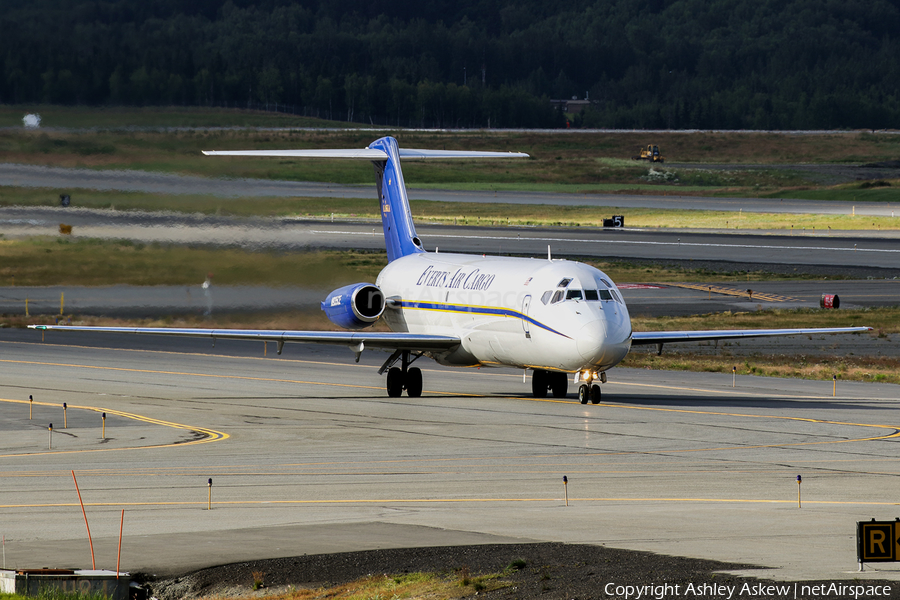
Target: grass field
{"x": 65, "y": 260}
{"x": 72, "y": 261}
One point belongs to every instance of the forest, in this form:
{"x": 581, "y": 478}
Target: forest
{"x": 662, "y": 64}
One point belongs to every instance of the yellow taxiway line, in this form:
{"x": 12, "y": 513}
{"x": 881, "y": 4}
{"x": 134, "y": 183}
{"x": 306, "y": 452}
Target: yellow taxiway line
{"x": 210, "y": 435}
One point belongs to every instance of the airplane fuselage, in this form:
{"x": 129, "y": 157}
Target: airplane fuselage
{"x": 532, "y": 313}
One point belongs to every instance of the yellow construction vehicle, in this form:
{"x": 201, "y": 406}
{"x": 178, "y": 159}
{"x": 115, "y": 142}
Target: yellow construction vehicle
{"x": 651, "y": 153}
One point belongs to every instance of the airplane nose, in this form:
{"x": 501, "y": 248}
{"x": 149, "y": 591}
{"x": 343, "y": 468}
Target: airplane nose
{"x": 590, "y": 341}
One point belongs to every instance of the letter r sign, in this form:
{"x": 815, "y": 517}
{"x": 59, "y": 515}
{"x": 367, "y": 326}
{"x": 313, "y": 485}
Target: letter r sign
{"x": 876, "y": 541}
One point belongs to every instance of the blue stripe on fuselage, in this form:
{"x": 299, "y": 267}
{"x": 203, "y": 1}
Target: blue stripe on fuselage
{"x": 480, "y": 310}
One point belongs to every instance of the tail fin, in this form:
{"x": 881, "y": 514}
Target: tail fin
{"x": 400, "y": 237}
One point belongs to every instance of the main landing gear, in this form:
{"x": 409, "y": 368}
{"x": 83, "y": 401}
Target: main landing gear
{"x": 552, "y": 381}
{"x": 403, "y": 377}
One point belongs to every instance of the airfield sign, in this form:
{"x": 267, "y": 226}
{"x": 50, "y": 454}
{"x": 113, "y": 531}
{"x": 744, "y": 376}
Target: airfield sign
{"x": 877, "y": 541}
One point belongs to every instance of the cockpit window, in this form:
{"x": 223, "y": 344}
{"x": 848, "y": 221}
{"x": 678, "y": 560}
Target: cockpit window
{"x": 616, "y": 296}
{"x": 606, "y": 283}
{"x": 605, "y": 295}
{"x": 591, "y": 295}
{"x": 564, "y": 282}
{"x": 557, "y": 297}
{"x": 545, "y": 297}
{"x": 573, "y": 295}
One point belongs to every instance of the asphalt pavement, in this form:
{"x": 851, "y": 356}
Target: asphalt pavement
{"x": 307, "y": 454}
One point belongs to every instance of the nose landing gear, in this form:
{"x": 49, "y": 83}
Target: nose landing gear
{"x": 589, "y": 391}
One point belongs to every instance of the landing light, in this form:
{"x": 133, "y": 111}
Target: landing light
{"x": 587, "y": 376}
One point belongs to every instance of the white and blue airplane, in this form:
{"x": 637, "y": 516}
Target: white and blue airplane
{"x": 554, "y": 317}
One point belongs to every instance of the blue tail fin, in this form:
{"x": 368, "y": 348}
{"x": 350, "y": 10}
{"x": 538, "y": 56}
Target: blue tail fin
{"x": 399, "y": 232}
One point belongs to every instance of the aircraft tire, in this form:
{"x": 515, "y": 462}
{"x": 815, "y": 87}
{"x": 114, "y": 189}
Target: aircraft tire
{"x": 394, "y": 382}
{"x": 584, "y": 392}
{"x": 414, "y": 382}
{"x": 559, "y": 384}
{"x": 539, "y": 383}
{"x": 595, "y": 394}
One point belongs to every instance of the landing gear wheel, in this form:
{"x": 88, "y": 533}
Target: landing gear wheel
{"x": 395, "y": 382}
{"x": 595, "y": 394}
{"x": 559, "y": 384}
{"x": 539, "y": 383}
{"x": 584, "y": 393}
{"x": 414, "y": 382}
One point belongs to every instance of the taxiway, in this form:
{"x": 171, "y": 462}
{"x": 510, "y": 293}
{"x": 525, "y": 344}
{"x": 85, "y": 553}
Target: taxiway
{"x": 308, "y": 455}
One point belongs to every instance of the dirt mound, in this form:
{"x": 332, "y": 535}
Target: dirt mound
{"x": 551, "y": 571}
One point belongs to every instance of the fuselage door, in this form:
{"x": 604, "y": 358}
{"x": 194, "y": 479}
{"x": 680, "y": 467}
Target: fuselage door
{"x": 526, "y": 303}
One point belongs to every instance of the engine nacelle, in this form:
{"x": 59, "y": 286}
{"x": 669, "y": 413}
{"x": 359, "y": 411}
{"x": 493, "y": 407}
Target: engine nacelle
{"x": 354, "y": 306}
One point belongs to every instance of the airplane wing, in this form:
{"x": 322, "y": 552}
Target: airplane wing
{"x": 374, "y": 339}
{"x": 668, "y": 337}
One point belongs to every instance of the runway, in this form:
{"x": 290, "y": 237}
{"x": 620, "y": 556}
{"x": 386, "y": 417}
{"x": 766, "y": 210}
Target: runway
{"x": 307, "y": 455}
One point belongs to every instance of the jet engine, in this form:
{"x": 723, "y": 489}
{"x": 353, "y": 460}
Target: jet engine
{"x": 354, "y": 306}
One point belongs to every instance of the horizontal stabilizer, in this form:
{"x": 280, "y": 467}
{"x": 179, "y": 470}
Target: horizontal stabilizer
{"x": 414, "y": 153}
{"x": 365, "y": 153}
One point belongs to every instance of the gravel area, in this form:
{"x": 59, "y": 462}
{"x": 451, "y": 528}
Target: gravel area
{"x": 550, "y": 571}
